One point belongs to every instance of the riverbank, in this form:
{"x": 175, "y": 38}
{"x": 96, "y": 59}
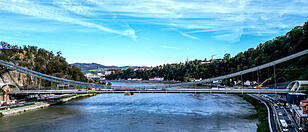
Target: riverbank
{"x": 261, "y": 113}
{"x": 41, "y": 104}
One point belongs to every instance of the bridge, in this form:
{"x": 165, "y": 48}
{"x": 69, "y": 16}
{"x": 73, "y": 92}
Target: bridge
{"x": 89, "y": 85}
{"x": 211, "y": 91}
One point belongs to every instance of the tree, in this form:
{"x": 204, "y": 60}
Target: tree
{"x": 294, "y": 41}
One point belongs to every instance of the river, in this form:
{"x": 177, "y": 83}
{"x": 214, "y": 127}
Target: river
{"x": 140, "y": 112}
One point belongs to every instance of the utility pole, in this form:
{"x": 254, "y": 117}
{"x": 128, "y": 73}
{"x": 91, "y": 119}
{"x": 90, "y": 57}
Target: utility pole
{"x": 40, "y": 84}
{"x": 242, "y": 81}
{"x": 275, "y": 76}
{"x": 258, "y": 76}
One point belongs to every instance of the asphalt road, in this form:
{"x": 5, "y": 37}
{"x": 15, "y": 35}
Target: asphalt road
{"x": 271, "y": 113}
{"x": 281, "y": 113}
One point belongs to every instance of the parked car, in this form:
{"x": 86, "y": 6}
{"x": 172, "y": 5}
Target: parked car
{"x": 49, "y": 97}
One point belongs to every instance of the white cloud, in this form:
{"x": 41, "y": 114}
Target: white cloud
{"x": 223, "y": 17}
{"x": 187, "y": 35}
{"x": 74, "y": 7}
{"x": 53, "y": 13}
{"x": 167, "y": 47}
{"x": 220, "y": 16}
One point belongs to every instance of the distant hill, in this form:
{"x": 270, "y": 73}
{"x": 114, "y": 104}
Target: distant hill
{"x": 94, "y": 67}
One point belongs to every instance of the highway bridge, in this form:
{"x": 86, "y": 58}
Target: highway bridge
{"x": 213, "y": 91}
{"x": 89, "y": 85}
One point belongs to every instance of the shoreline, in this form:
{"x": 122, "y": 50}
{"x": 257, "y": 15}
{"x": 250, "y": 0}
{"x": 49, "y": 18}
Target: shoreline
{"x": 262, "y": 112}
{"x": 41, "y": 104}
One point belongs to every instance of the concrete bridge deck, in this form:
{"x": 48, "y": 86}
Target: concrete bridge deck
{"x": 214, "y": 91}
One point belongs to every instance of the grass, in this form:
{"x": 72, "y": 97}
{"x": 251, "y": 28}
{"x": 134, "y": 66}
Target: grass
{"x": 18, "y": 106}
{"x": 261, "y": 113}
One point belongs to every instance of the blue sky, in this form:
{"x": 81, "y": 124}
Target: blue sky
{"x": 147, "y": 32}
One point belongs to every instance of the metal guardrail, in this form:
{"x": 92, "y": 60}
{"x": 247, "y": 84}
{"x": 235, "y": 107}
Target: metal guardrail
{"x": 268, "y": 112}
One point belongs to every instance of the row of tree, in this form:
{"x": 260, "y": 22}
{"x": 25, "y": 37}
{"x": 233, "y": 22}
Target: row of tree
{"x": 40, "y": 60}
{"x": 294, "y": 41}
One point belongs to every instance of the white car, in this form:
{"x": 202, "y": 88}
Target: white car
{"x": 280, "y": 114}
{"x": 300, "y": 128}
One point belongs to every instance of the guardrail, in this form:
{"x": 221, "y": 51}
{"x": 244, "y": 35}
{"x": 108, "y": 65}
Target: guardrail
{"x": 268, "y": 111}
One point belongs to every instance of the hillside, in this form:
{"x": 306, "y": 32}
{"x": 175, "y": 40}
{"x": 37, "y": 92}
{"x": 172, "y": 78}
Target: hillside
{"x": 94, "y": 67}
{"x": 37, "y": 59}
{"x": 294, "y": 41}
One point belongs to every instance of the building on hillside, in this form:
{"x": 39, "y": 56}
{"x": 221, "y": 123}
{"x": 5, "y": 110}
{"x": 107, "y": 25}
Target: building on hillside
{"x": 156, "y": 78}
{"x": 108, "y": 72}
{"x": 136, "y": 79}
{"x": 99, "y": 76}
{"x": 89, "y": 75}
{"x": 205, "y": 62}
{"x": 191, "y": 79}
{"x": 198, "y": 80}
{"x": 247, "y": 83}
{"x": 194, "y": 79}
{"x": 217, "y": 82}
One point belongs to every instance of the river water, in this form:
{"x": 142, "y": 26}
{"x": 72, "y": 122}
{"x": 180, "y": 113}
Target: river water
{"x": 139, "y": 113}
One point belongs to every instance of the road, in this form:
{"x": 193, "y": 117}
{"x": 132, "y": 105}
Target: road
{"x": 281, "y": 113}
{"x": 271, "y": 116}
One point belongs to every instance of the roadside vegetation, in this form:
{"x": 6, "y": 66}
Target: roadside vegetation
{"x": 294, "y": 41}
{"x": 18, "y": 106}
{"x": 261, "y": 112}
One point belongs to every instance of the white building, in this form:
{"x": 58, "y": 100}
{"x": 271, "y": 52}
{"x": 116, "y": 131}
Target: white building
{"x": 108, "y": 72}
{"x": 89, "y": 75}
{"x": 217, "y": 81}
{"x": 247, "y": 83}
{"x": 93, "y": 76}
{"x": 156, "y": 79}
